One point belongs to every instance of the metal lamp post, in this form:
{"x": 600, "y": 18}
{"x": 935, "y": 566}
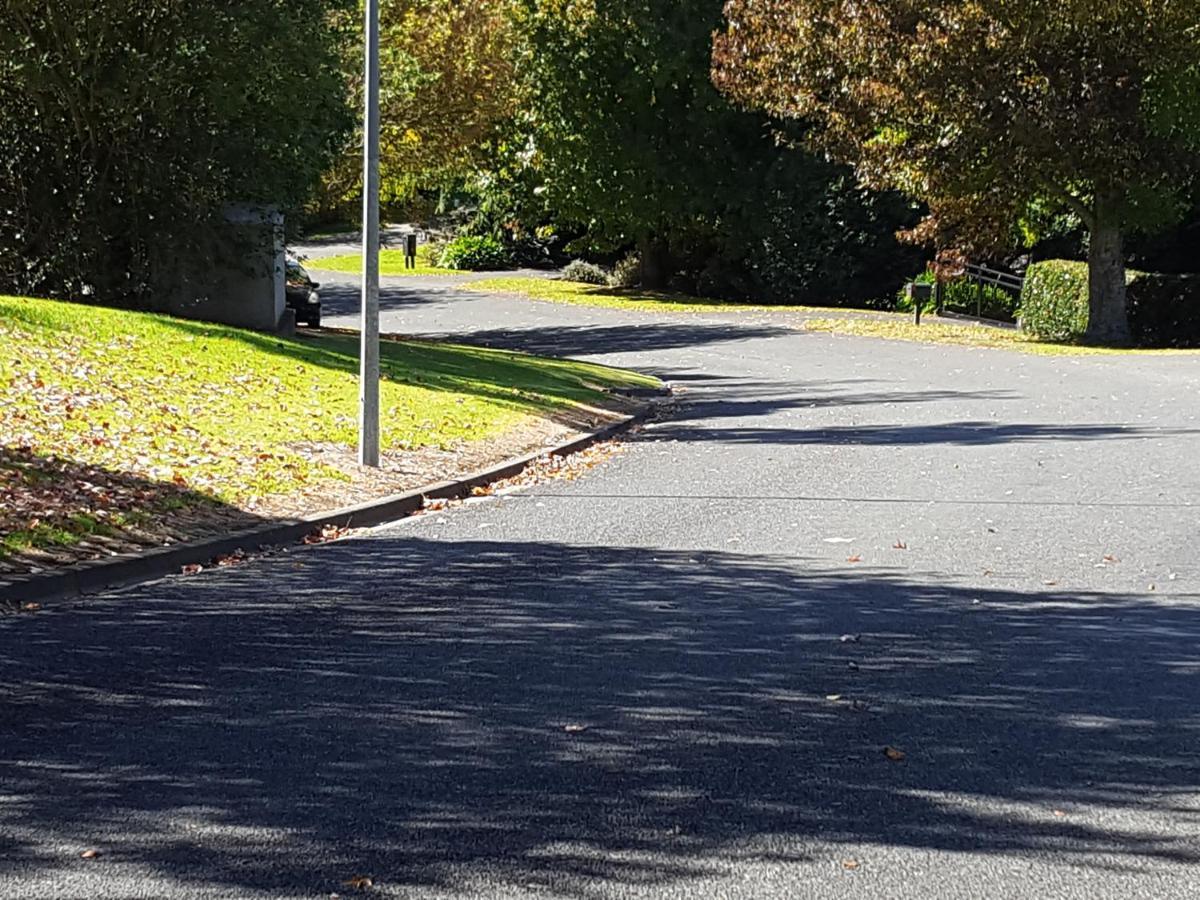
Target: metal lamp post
{"x": 368, "y": 402}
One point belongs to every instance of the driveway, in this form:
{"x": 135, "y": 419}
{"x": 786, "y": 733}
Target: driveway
{"x": 675, "y": 677}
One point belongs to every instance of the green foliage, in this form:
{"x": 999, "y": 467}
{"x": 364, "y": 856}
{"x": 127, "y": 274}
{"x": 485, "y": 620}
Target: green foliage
{"x": 1054, "y": 303}
{"x": 130, "y": 124}
{"x": 1164, "y": 310}
{"x": 627, "y": 272}
{"x": 474, "y": 253}
{"x": 584, "y": 273}
{"x": 636, "y": 148}
{"x": 961, "y": 295}
{"x": 447, "y": 91}
{"x": 1000, "y": 116}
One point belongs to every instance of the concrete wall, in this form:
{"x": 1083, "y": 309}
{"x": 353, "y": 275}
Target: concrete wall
{"x": 246, "y": 284}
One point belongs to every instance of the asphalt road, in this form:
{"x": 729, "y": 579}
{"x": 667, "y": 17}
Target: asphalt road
{"x": 676, "y": 676}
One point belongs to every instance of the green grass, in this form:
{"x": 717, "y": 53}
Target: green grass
{"x": 862, "y": 323}
{"x": 216, "y": 412}
{"x": 616, "y": 298}
{"x": 969, "y": 335}
{"x": 391, "y": 263}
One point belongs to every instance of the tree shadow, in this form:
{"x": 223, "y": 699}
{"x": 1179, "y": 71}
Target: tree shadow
{"x": 589, "y": 340}
{"x": 54, "y": 511}
{"x": 428, "y": 712}
{"x": 960, "y": 434}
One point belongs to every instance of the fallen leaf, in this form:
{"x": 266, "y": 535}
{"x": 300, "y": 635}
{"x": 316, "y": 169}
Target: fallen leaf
{"x": 1059, "y": 813}
{"x": 485, "y": 490}
{"x": 894, "y": 754}
{"x": 575, "y": 729}
{"x": 833, "y": 698}
{"x": 852, "y": 666}
{"x": 89, "y": 854}
{"x": 849, "y": 863}
{"x": 1049, "y": 583}
{"x": 850, "y": 638}
{"x": 1152, "y": 587}
{"x": 899, "y": 545}
{"x": 30, "y": 607}
{"x": 360, "y": 883}
{"x": 854, "y": 559}
{"x": 191, "y": 569}
{"x": 838, "y": 540}
{"x": 1110, "y": 558}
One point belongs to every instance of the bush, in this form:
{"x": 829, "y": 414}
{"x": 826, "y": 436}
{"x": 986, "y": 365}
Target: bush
{"x": 585, "y": 272}
{"x": 1164, "y": 310}
{"x": 116, "y": 161}
{"x": 1054, "y": 302}
{"x": 627, "y": 272}
{"x": 474, "y": 253}
{"x": 961, "y": 295}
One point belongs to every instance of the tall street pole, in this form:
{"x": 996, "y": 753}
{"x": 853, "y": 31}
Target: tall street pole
{"x": 368, "y": 399}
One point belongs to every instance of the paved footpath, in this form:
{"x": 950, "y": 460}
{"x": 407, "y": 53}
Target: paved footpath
{"x": 675, "y": 677}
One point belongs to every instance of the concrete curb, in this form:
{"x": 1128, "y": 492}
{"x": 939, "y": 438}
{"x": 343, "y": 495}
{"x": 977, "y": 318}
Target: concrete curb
{"x": 132, "y": 568}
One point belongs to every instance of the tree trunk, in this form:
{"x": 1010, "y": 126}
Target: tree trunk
{"x": 1108, "y": 322}
{"x": 656, "y": 264}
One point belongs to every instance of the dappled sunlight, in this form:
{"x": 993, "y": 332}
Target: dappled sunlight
{"x": 445, "y": 706}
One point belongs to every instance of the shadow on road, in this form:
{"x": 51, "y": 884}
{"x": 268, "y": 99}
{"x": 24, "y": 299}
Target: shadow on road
{"x": 400, "y": 708}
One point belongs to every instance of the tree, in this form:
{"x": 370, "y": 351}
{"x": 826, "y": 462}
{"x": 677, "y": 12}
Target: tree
{"x": 988, "y": 108}
{"x": 447, "y": 87}
{"x": 130, "y": 124}
{"x": 637, "y": 147}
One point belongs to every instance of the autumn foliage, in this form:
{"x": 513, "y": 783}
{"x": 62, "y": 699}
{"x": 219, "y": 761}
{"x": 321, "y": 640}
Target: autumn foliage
{"x": 992, "y": 112}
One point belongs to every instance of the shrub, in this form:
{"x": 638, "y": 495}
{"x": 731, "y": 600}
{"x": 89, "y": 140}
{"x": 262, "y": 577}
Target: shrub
{"x": 627, "y": 272}
{"x": 585, "y": 272}
{"x": 961, "y": 295}
{"x": 474, "y": 253}
{"x": 1054, "y": 302}
{"x": 1164, "y": 310}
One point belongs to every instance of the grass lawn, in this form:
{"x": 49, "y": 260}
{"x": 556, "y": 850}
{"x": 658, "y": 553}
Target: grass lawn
{"x": 391, "y": 263}
{"x": 969, "y": 335}
{"x": 183, "y": 412}
{"x": 863, "y": 323}
{"x": 614, "y": 298}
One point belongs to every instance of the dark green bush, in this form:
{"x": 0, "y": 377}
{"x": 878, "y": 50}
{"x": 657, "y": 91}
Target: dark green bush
{"x": 474, "y": 252}
{"x": 1164, "y": 310}
{"x": 129, "y": 125}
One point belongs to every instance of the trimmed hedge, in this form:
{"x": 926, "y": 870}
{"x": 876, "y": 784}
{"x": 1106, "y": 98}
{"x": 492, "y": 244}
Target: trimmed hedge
{"x": 1054, "y": 301}
{"x": 1164, "y": 310}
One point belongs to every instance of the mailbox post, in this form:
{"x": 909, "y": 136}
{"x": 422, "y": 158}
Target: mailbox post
{"x": 918, "y": 294}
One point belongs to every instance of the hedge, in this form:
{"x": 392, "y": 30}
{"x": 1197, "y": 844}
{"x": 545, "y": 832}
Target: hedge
{"x": 1164, "y": 310}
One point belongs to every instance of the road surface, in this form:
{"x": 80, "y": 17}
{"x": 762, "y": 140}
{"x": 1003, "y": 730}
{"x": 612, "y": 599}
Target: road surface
{"x": 677, "y": 676}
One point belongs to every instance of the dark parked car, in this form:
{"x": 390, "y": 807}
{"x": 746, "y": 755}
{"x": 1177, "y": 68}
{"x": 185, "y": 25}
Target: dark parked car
{"x": 302, "y": 294}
